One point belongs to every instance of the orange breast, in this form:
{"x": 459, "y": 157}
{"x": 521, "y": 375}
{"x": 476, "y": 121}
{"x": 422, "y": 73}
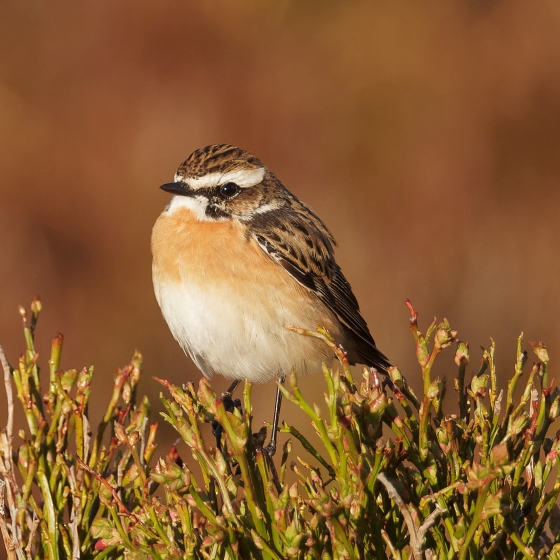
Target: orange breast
{"x": 206, "y": 250}
{"x": 213, "y": 253}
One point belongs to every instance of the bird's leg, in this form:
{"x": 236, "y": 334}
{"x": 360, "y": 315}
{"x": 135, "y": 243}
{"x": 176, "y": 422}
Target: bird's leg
{"x": 232, "y": 388}
{"x": 270, "y": 449}
{"x": 229, "y": 405}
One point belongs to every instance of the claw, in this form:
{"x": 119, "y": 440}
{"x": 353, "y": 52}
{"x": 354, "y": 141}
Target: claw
{"x": 270, "y": 449}
{"x": 268, "y": 452}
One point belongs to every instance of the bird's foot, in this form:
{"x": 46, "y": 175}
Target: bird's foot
{"x": 270, "y": 449}
{"x": 268, "y": 452}
{"x": 230, "y": 404}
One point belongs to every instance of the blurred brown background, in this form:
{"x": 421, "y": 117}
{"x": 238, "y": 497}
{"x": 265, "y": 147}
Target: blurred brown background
{"x": 427, "y": 138}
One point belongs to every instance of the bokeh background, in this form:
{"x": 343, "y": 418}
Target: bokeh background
{"x": 427, "y": 136}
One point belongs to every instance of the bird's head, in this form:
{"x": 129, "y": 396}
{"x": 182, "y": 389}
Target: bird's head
{"x": 221, "y": 182}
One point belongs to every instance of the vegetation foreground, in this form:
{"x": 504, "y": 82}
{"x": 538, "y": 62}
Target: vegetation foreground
{"x": 393, "y": 476}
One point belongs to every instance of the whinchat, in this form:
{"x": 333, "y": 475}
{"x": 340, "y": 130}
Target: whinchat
{"x": 236, "y": 257}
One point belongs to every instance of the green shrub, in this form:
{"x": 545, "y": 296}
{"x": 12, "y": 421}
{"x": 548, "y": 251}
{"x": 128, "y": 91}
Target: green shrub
{"x": 392, "y": 477}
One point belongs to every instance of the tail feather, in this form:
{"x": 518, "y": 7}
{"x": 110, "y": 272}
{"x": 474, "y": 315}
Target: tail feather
{"x": 365, "y": 352}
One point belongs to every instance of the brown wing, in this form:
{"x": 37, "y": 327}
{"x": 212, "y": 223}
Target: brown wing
{"x": 299, "y": 242}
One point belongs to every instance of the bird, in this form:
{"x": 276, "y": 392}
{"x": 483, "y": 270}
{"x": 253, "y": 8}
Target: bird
{"x": 236, "y": 258}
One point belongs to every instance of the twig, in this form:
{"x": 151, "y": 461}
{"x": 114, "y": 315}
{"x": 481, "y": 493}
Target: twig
{"x": 417, "y": 535}
{"x": 7, "y": 465}
{"x": 34, "y": 524}
{"x": 122, "y": 507}
{"x": 394, "y": 552}
{"x": 423, "y": 529}
{"x": 8, "y": 542}
{"x": 76, "y": 507}
{"x": 9, "y": 397}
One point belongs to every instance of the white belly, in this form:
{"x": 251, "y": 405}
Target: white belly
{"x": 242, "y": 335}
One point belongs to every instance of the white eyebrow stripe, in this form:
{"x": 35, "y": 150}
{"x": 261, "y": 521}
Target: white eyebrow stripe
{"x": 266, "y": 208}
{"x": 242, "y": 177}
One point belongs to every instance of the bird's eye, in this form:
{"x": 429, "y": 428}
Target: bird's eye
{"x": 229, "y": 189}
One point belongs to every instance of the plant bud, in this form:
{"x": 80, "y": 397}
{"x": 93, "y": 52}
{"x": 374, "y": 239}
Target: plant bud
{"x": 293, "y": 491}
{"x": 131, "y": 474}
{"x": 36, "y": 307}
{"x": 479, "y": 384}
{"x": 68, "y": 378}
{"x": 499, "y": 454}
{"x": 395, "y": 374}
{"x": 541, "y": 351}
{"x": 126, "y": 392}
{"x": 434, "y": 388}
{"x": 205, "y": 394}
{"x": 444, "y": 335}
{"x": 120, "y": 433}
{"x": 554, "y": 411}
{"x": 462, "y": 353}
{"x": 519, "y": 424}
{"x": 136, "y": 368}
{"x": 133, "y": 438}
{"x": 422, "y": 351}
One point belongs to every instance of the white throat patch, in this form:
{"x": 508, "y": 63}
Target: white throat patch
{"x": 196, "y": 204}
{"x": 241, "y": 177}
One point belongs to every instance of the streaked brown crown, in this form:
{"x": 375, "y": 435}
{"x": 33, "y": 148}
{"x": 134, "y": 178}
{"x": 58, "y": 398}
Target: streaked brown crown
{"x": 217, "y": 158}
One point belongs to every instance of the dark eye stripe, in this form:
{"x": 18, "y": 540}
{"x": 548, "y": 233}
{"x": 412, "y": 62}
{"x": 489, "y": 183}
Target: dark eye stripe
{"x": 216, "y": 213}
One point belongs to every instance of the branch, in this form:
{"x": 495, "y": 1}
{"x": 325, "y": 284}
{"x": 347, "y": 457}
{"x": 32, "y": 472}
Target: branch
{"x": 416, "y": 535}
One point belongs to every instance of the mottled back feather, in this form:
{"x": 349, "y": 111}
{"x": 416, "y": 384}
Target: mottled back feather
{"x": 296, "y": 238}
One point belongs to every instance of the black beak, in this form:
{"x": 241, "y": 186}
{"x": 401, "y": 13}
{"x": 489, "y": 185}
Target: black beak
{"x": 178, "y": 188}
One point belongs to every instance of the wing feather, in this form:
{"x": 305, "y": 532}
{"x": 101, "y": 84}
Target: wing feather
{"x": 298, "y": 241}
